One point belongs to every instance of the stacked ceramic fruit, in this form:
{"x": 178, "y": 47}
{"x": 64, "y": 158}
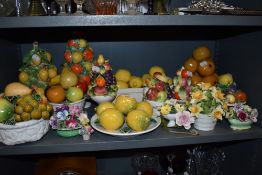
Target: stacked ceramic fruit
{"x": 229, "y": 87}
{"x": 112, "y": 116}
{"x": 72, "y": 84}
{"x": 201, "y": 66}
{"x": 37, "y": 70}
{"x": 157, "y": 87}
{"x": 103, "y": 81}
{"x": 126, "y": 80}
{"x": 182, "y": 84}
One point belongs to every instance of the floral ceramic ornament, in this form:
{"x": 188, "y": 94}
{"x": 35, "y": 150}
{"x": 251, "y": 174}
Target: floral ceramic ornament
{"x": 177, "y": 114}
{"x": 71, "y": 121}
{"x": 241, "y": 116}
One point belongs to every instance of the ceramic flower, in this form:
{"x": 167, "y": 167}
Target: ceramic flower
{"x": 184, "y": 119}
{"x": 242, "y": 112}
{"x": 206, "y": 99}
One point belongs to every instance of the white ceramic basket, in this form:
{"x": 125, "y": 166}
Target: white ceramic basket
{"x": 205, "y": 123}
{"x": 23, "y": 132}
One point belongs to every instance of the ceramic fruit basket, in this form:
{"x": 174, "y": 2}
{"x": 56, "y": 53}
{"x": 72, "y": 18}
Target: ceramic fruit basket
{"x": 22, "y": 132}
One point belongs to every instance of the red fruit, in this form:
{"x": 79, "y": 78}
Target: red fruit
{"x": 240, "y": 96}
{"x": 82, "y": 85}
{"x": 177, "y": 96}
{"x": 86, "y": 79}
{"x": 77, "y": 68}
{"x": 100, "y": 91}
{"x": 68, "y": 56}
{"x": 160, "y": 86}
{"x": 151, "y": 94}
{"x": 72, "y": 43}
{"x": 88, "y": 54}
{"x": 185, "y": 73}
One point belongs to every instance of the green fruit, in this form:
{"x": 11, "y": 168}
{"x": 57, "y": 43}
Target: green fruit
{"x": 6, "y": 110}
{"x": 74, "y": 94}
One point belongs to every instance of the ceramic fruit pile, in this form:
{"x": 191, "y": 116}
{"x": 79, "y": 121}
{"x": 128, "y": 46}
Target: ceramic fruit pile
{"x": 182, "y": 84}
{"x": 37, "y": 70}
{"x": 126, "y": 80}
{"x": 201, "y": 66}
{"x": 125, "y": 109}
{"x": 103, "y": 81}
{"x": 157, "y": 83}
{"x": 71, "y": 85}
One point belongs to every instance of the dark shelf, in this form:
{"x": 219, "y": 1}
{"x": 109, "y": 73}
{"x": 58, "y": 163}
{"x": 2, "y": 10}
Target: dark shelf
{"x": 52, "y": 143}
{"x": 135, "y": 20}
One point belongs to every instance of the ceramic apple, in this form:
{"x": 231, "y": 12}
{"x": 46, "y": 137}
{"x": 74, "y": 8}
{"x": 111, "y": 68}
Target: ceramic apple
{"x": 151, "y": 94}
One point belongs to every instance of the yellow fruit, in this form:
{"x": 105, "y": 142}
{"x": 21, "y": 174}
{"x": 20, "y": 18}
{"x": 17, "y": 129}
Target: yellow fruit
{"x": 196, "y": 79}
{"x": 212, "y": 79}
{"x": 23, "y": 77}
{"x": 77, "y": 57}
{"x": 201, "y": 53}
{"x": 49, "y": 56}
{"x": 111, "y": 119}
{"x": 18, "y": 118}
{"x": 169, "y": 81}
{"x": 49, "y": 107}
{"x": 103, "y": 106}
{"x": 100, "y": 59}
{"x": 25, "y": 116}
{"x": 54, "y": 81}
{"x": 15, "y": 89}
{"x": 154, "y": 69}
{"x": 121, "y": 84}
{"x": 36, "y": 114}
{"x": 88, "y": 66}
{"x": 135, "y": 82}
{"x": 19, "y": 109}
{"x": 82, "y": 43}
{"x": 68, "y": 79}
{"x": 28, "y": 108}
{"x": 206, "y": 67}
{"x": 45, "y": 115}
{"x": 138, "y": 120}
{"x": 145, "y": 106}
{"x": 123, "y": 75}
{"x": 43, "y": 74}
{"x": 52, "y": 72}
{"x": 145, "y": 77}
{"x": 125, "y": 103}
{"x": 40, "y": 91}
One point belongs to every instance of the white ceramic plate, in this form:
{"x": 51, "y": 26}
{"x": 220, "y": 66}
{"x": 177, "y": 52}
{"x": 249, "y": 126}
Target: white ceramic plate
{"x": 98, "y": 127}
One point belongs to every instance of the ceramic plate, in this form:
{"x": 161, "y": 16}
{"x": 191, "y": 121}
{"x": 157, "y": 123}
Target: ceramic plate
{"x": 121, "y": 132}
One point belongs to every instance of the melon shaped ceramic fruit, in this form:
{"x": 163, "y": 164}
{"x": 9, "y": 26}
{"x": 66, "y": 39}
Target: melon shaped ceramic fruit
{"x": 206, "y": 67}
{"x": 138, "y": 120}
{"x": 125, "y": 103}
{"x": 191, "y": 65}
{"x": 201, "y": 53}
{"x": 111, "y": 119}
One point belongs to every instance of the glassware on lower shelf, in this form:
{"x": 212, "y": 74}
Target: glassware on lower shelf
{"x": 205, "y": 161}
{"x": 145, "y": 164}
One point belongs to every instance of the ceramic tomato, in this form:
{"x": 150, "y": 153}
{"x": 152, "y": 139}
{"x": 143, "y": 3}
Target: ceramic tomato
{"x": 82, "y": 85}
{"x": 240, "y": 96}
{"x": 86, "y": 79}
{"x": 77, "y": 68}
{"x": 68, "y": 56}
{"x": 88, "y": 54}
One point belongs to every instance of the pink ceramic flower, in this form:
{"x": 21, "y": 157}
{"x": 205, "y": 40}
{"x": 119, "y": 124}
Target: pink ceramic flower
{"x": 184, "y": 119}
{"x": 71, "y": 123}
{"x": 74, "y": 110}
{"x": 253, "y": 115}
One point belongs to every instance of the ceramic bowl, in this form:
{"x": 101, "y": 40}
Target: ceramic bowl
{"x": 99, "y": 99}
{"x": 155, "y": 104}
{"x": 80, "y": 103}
